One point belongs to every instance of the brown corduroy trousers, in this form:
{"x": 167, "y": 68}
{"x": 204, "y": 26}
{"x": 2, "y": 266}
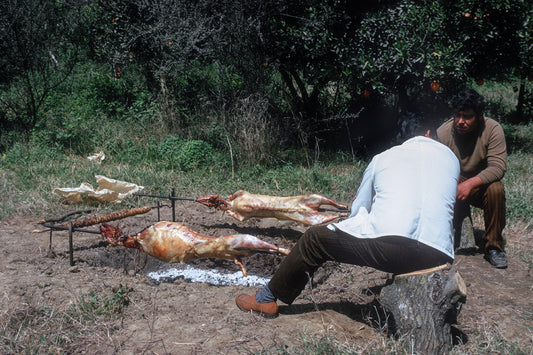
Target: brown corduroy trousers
{"x": 491, "y": 199}
{"x": 319, "y": 244}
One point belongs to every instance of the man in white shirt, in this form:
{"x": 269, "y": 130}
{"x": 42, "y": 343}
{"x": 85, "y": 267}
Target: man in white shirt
{"x": 401, "y": 221}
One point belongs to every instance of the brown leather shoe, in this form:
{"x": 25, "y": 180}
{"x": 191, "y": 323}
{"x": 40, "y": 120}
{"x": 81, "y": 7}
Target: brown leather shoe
{"x": 247, "y": 303}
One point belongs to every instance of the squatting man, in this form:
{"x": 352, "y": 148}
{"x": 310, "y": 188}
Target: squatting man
{"x": 479, "y": 144}
{"x": 400, "y": 221}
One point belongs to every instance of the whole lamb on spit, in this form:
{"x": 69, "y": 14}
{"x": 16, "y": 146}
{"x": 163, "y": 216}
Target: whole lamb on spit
{"x": 305, "y": 209}
{"x": 173, "y": 242}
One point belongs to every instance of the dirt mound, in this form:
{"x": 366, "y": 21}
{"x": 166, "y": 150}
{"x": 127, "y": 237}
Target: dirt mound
{"x": 199, "y": 317}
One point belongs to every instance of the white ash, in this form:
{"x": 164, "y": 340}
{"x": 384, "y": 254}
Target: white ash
{"x": 192, "y": 274}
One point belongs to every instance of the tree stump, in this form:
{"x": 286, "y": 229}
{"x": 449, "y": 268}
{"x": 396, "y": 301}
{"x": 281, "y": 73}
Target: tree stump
{"x": 465, "y": 240}
{"x": 424, "y": 305}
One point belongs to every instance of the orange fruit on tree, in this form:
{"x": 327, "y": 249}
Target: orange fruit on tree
{"x": 366, "y": 94}
{"x": 467, "y": 14}
{"x": 435, "y": 86}
{"x": 480, "y": 81}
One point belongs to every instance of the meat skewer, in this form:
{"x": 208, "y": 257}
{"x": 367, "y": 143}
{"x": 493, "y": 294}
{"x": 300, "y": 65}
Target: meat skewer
{"x": 242, "y": 205}
{"x": 173, "y": 242}
{"x": 109, "y": 217}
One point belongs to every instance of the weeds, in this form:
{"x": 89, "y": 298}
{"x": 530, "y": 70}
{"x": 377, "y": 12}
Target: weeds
{"x": 35, "y": 328}
{"x": 490, "y": 341}
{"x": 91, "y": 306}
{"x": 252, "y": 132}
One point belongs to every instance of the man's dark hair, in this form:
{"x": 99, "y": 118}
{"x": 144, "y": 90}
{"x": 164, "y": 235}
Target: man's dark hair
{"x": 469, "y": 99}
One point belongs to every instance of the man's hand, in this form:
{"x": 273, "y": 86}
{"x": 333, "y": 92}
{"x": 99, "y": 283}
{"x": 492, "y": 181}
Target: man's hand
{"x": 465, "y": 188}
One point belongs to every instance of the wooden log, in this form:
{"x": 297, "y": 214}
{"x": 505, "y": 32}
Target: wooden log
{"x": 423, "y": 305}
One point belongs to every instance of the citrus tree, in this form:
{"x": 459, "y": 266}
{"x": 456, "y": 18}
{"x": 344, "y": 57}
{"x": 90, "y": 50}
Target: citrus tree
{"x": 497, "y": 38}
{"x": 404, "y": 51}
{"x": 336, "y": 56}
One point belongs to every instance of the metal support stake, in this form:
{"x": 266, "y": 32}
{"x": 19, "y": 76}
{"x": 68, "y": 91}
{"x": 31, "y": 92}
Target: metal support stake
{"x": 158, "y": 211}
{"x": 70, "y": 248}
{"x": 173, "y": 203}
{"x": 50, "y": 244}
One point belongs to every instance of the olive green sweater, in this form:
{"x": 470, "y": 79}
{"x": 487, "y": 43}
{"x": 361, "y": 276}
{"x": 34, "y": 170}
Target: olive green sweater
{"x": 482, "y": 153}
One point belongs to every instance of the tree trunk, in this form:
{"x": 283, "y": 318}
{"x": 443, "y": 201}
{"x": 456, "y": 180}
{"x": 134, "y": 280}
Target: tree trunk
{"x": 424, "y": 305}
{"x": 520, "y": 103}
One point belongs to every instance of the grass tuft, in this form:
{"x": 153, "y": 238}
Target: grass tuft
{"x": 35, "y": 328}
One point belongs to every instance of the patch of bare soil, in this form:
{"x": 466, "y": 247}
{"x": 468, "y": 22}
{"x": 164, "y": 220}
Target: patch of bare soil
{"x": 181, "y": 317}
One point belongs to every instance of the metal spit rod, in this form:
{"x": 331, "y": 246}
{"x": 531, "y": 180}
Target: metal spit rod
{"x": 53, "y": 227}
{"x": 169, "y": 197}
{"x": 174, "y": 198}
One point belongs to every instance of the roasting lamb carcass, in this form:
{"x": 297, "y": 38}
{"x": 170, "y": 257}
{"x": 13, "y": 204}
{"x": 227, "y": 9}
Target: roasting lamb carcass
{"x": 304, "y": 209}
{"x": 173, "y": 242}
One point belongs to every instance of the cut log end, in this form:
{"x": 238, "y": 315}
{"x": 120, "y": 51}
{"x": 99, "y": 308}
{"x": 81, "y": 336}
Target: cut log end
{"x": 424, "y": 305}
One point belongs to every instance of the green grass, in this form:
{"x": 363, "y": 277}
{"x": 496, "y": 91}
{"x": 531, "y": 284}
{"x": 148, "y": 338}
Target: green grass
{"x": 501, "y": 98}
{"x": 33, "y": 328}
{"x": 29, "y": 173}
{"x": 518, "y": 182}
{"x": 92, "y": 306}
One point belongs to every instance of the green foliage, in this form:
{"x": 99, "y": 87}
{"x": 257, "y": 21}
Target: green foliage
{"x": 194, "y": 154}
{"x": 91, "y": 306}
{"x": 64, "y": 130}
{"x": 89, "y": 102}
{"x": 38, "y": 54}
{"x": 403, "y": 49}
{"x": 496, "y": 35}
{"x": 110, "y": 95}
{"x": 188, "y": 65}
{"x": 169, "y": 149}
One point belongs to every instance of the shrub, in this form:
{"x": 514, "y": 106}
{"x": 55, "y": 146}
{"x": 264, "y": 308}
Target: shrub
{"x": 195, "y": 154}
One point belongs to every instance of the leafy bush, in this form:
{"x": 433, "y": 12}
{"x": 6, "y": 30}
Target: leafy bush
{"x": 170, "y": 146}
{"x": 169, "y": 149}
{"x": 109, "y": 95}
{"x": 195, "y": 154}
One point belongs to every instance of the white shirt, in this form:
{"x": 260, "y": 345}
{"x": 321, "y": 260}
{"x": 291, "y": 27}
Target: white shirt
{"x": 409, "y": 191}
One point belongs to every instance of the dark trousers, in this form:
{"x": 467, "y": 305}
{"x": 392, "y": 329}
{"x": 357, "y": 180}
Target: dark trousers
{"x": 319, "y": 244}
{"x": 491, "y": 199}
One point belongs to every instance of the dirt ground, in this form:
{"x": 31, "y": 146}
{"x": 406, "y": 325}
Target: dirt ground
{"x": 182, "y": 317}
